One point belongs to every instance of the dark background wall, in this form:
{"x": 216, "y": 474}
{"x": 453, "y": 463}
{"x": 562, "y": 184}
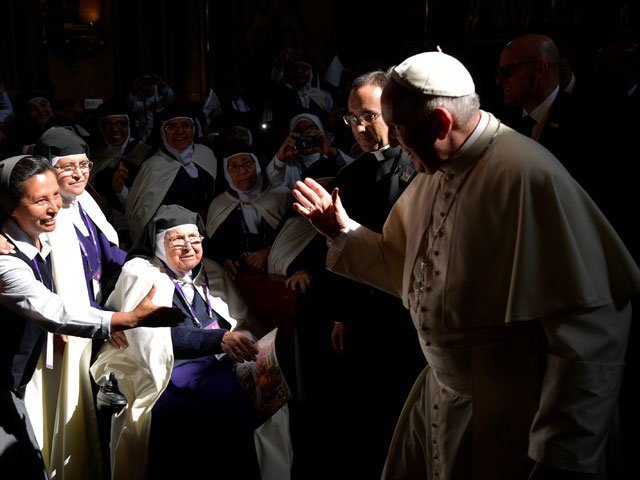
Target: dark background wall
{"x": 77, "y": 49}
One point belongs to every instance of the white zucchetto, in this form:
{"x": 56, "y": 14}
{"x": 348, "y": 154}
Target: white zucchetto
{"x": 434, "y": 73}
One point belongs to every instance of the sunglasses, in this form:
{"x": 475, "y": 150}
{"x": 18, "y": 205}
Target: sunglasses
{"x": 507, "y": 70}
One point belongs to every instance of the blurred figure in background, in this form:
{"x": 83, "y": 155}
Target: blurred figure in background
{"x": 149, "y": 95}
{"x": 36, "y": 117}
{"x": 294, "y": 92}
{"x": 117, "y": 159}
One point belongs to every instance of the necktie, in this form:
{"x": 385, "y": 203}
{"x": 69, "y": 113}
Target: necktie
{"x": 525, "y": 125}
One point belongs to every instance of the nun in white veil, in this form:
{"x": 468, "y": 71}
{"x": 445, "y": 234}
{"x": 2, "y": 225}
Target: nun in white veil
{"x": 243, "y": 221}
{"x": 180, "y": 172}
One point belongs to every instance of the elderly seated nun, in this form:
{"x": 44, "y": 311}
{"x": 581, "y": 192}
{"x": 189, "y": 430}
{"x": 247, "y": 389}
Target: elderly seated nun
{"x": 30, "y": 198}
{"x": 179, "y": 172}
{"x": 186, "y": 412}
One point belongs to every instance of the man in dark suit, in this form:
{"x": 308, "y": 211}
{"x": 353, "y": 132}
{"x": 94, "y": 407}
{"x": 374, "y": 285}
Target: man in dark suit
{"x": 529, "y": 74}
{"x": 372, "y": 329}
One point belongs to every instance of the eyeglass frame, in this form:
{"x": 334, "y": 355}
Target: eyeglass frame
{"x": 505, "y": 70}
{"x": 352, "y": 119}
{"x": 195, "y": 239}
{"x": 235, "y": 168}
{"x": 84, "y": 166}
{"x": 172, "y": 128}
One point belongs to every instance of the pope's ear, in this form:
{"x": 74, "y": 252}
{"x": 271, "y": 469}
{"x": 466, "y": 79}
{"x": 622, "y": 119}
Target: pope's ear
{"x": 442, "y": 121}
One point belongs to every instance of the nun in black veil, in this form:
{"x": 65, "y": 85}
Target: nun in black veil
{"x": 183, "y": 398}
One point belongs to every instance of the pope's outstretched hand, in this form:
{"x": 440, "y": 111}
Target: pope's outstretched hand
{"x": 323, "y": 209}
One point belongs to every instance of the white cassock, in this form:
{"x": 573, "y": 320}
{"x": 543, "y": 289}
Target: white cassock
{"x": 519, "y": 291}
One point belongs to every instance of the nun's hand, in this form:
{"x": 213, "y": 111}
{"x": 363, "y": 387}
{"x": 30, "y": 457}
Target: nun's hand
{"x": 59, "y": 343}
{"x": 119, "y": 340}
{"x": 287, "y": 149}
{"x": 338, "y": 337}
{"x": 238, "y": 347}
{"x": 119, "y": 177}
{"x": 300, "y": 279}
{"x": 324, "y": 145}
{"x": 231, "y": 267}
{"x": 6, "y": 246}
{"x": 147, "y": 314}
{"x": 258, "y": 260}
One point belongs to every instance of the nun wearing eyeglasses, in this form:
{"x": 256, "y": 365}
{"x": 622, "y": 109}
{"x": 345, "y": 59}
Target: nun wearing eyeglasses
{"x": 97, "y": 239}
{"x": 243, "y": 222}
{"x": 180, "y": 172}
{"x": 251, "y": 226}
{"x": 306, "y": 152}
{"x": 183, "y": 399}
{"x": 117, "y": 158}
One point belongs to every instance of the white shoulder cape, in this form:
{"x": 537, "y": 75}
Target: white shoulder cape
{"x": 272, "y": 205}
{"x": 153, "y": 181}
{"x": 295, "y": 234}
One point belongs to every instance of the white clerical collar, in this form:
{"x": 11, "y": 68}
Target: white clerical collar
{"x": 482, "y": 124}
{"x": 378, "y": 153}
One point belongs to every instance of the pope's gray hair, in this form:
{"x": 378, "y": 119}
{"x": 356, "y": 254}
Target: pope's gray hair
{"x": 463, "y": 109}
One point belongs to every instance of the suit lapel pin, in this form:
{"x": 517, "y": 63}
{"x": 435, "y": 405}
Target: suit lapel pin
{"x": 405, "y": 176}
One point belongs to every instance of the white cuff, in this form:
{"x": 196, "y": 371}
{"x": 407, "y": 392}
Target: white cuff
{"x": 337, "y": 244}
